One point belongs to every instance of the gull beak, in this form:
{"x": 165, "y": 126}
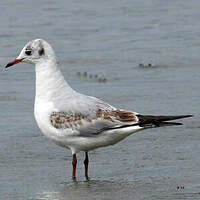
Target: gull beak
{"x": 13, "y": 62}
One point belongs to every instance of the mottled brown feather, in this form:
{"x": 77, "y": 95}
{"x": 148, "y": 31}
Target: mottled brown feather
{"x": 62, "y": 120}
{"x": 121, "y": 115}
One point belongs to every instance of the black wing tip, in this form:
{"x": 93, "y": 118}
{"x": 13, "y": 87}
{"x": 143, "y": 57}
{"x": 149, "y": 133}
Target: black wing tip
{"x": 169, "y": 124}
{"x": 189, "y": 115}
{"x": 160, "y": 120}
{"x": 162, "y": 117}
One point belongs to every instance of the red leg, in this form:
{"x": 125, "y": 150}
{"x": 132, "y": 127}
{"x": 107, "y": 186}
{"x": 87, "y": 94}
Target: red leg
{"x": 86, "y": 162}
{"x": 74, "y": 162}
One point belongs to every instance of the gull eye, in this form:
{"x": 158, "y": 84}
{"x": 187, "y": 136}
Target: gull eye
{"x": 28, "y": 52}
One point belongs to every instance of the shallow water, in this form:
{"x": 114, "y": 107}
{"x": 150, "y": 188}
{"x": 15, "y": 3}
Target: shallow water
{"x": 110, "y": 39}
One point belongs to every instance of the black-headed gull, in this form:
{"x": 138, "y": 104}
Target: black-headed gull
{"x": 74, "y": 120}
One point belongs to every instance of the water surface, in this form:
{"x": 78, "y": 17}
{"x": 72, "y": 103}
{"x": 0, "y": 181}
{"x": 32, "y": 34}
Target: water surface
{"x": 110, "y": 39}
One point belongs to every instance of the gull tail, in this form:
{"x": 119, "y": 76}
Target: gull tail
{"x": 150, "y": 121}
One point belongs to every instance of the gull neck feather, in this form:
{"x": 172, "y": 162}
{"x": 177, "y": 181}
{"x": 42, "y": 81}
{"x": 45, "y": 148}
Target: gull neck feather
{"x": 50, "y": 83}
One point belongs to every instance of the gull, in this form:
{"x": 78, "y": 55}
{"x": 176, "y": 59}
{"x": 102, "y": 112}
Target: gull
{"x": 77, "y": 121}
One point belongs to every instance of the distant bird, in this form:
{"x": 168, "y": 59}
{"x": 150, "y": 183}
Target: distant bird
{"x": 73, "y": 120}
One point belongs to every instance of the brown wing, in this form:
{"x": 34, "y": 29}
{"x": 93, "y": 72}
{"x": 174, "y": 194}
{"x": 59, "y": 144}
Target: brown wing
{"x": 105, "y": 120}
{"x": 101, "y": 120}
{"x": 63, "y": 120}
{"x": 120, "y": 115}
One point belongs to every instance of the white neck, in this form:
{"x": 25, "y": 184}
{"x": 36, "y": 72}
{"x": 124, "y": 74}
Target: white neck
{"x": 50, "y": 83}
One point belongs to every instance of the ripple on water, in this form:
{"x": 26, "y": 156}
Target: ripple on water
{"x": 150, "y": 188}
{"x": 7, "y": 98}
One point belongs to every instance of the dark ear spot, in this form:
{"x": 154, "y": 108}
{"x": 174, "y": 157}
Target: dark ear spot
{"x": 41, "y": 51}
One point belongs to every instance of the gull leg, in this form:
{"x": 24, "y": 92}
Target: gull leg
{"x": 74, "y": 162}
{"x": 86, "y": 162}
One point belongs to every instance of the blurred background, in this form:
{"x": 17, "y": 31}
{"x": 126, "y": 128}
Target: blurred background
{"x": 147, "y": 53}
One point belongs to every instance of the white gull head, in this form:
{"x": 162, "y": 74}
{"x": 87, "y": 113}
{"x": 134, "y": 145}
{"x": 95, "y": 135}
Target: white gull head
{"x": 34, "y": 52}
